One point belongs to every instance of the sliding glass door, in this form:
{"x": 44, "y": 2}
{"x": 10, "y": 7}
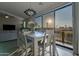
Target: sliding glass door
{"x": 64, "y": 27}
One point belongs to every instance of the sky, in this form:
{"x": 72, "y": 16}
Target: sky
{"x": 63, "y": 17}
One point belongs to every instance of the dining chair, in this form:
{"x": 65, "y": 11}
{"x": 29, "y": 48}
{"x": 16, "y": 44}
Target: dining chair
{"x": 25, "y": 43}
{"x": 49, "y": 43}
{"x": 45, "y": 43}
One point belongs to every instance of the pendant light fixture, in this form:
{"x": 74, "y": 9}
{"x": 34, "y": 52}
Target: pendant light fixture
{"x": 30, "y": 11}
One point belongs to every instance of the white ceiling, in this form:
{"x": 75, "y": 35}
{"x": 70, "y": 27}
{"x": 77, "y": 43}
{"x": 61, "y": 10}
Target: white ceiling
{"x": 18, "y": 8}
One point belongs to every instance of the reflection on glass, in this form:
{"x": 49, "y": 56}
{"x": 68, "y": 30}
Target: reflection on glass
{"x": 48, "y": 20}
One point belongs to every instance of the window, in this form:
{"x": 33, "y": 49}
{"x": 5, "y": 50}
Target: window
{"x": 38, "y": 21}
{"x": 63, "y": 25}
{"x": 48, "y": 20}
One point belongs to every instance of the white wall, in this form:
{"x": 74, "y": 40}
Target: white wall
{"x": 9, "y": 35}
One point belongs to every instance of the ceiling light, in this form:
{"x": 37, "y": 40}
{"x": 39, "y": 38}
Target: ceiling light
{"x": 6, "y": 16}
{"x": 30, "y": 12}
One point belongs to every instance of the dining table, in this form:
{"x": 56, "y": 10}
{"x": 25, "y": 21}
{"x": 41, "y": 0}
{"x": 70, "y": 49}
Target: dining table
{"x": 37, "y": 36}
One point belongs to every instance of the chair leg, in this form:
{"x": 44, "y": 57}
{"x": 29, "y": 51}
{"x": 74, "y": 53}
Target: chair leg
{"x": 43, "y": 52}
{"x": 39, "y": 51}
{"x": 50, "y": 50}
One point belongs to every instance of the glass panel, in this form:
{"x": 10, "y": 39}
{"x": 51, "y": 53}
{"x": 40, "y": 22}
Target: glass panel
{"x": 48, "y": 24}
{"x": 48, "y": 20}
{"x": 38, "y": 20}
{"x": 63, "y": 25}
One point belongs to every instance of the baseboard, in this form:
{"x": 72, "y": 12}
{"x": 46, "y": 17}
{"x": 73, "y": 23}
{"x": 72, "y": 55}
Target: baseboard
{"x": 8, "y": 40}
{"x": 64, "y": 46}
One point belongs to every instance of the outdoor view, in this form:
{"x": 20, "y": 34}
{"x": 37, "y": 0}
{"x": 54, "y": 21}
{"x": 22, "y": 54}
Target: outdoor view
{"x": 63, "y": 25}
{"x": 38, "y": 20}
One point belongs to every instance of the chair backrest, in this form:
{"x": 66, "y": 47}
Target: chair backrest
{"x": 49, "y": 36}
